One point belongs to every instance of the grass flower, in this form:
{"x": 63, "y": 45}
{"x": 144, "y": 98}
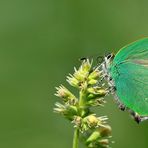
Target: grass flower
{"x": 93, "y": 130}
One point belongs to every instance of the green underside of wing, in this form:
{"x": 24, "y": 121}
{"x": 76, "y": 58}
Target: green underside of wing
{"x": 134, "y": 50}
{"x": 129, "y": 71}
{"x": 131, "y": 81}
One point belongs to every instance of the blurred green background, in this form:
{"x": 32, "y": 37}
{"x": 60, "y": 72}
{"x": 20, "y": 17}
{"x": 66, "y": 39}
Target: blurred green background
{"x": 40, "y": 42}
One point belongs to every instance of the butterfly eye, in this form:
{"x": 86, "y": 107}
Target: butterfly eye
{"x": 109, "y": 56}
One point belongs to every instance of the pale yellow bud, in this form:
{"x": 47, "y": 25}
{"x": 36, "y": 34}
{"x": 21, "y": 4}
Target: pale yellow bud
{"x": 94, "y": 75}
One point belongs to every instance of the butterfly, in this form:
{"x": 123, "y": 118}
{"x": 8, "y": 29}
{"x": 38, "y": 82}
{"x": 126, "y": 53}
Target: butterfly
{"x": 127, "y": 76}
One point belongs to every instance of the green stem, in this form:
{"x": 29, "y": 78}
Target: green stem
{"x": 82, "y": 98}
{"x": 82, "y": 103}
{"x": 75, "y": 138}
{"x": 76, "y": 132}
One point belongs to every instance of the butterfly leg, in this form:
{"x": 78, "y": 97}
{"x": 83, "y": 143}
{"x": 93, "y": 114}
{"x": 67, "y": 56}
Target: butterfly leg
{"x": 121, "y": 106}
{"x": 137, "y": 117}
{"x": 111, "y": 89}
{"x": 143, "y": 118}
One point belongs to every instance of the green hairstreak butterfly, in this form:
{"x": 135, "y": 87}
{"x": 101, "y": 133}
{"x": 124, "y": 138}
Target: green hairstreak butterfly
{"x": 127, "y": 75}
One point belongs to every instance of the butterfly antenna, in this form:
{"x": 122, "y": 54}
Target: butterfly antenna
{"x": 83, "y": 59}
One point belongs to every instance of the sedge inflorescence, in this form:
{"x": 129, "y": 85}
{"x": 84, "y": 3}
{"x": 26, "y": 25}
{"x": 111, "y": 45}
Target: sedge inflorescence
{"x": 93, "y": 130}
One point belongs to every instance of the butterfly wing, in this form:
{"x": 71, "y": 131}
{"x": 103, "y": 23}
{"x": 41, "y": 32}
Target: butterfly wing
{"x": 132, "y": 87}
{"x": 135, "y": 50}
{"x": 129, "y": 71}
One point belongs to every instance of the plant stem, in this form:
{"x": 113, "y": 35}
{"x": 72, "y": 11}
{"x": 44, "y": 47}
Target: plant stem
{"x": 76, "y": 132}
{"x": 75, "y": 138}
{"x": 81, "y": 101}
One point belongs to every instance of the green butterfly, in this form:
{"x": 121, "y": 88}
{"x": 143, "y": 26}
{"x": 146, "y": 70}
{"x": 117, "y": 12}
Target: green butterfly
{"x": 127, "y": 76}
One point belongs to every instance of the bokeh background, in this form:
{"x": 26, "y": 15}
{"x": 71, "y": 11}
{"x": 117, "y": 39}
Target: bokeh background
{"x": 40, "y": 42}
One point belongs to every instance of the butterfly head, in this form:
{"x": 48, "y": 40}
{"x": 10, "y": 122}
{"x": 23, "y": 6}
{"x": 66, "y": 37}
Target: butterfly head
{"x": 106, "y": 68}
{"x": 109, "y": 58}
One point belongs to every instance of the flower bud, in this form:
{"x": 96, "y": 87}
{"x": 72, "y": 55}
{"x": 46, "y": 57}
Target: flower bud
{"x": 104, "y": 143}
{"x": 91, "y": 90}
{"x": 64, "y": 93}
{"x": 105, "y": 131}
{"x": 94, "y": 75}
{"x": 92, "y": 82}
{"x": 80, "y": 74}
{"x": 68, "y": 111}
{"x": 77, "y": 121}
{"x": 73, "y": 81}
{"x": 86, "y": 65}
{"x": 102, "y": 92}
{"x": 97, "y": 91}
{"x": 72, "y": 110}
{"x": 93, "y": 137}
{"x": 60, "y": 108}
{"x": 92, "y": 121}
